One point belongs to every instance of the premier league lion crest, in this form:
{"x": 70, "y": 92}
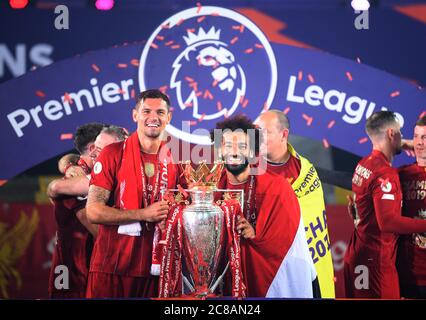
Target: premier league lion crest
{"x": 212, "y": 62}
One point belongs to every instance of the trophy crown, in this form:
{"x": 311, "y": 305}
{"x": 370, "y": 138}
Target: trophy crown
{"x": 202, "y": 176}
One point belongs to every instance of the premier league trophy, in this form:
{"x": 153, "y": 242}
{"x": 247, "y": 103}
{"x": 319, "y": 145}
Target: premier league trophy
{"x": 205, "y": 237}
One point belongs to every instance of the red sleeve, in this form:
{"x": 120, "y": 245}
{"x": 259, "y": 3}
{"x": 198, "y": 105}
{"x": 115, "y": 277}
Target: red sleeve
{"x": 387, "y": 199}
{"x": 104, "y": 170}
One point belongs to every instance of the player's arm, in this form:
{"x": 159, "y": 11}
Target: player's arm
{"x": 82, "y": 217}
{"x": 387, "y": 205}
{"x": 99, "y": 213}
{"x": 77, "y": 186}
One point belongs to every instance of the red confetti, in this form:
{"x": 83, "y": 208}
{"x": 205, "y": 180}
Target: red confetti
{"x": 121, "y": 91}
{"x": 66, "y": 136}
{"x": 202, "y": 117}
{"x": 192, "y": 123}
{"x": 395, "y": 94}
{"x": 190, "y": 30}
{"x": 300, "y": 76}
{"x": 423, "y": 114}
{"x": 153, "y": 45}
{"x": 134, "y": 62}
{"x": 241, "y": 99}
{"x": 200, "y": 19}
{"x": 40, "y": 94}
{"x": 207, "y": 95}
{"x": 122, "y": 65}
{"x": 240, "y": 27}
{"x": 258, "y": 45}
{"x": 194, "y": 86}
{"x": 163, "y": 89}
{"x": 132, "y": 93}
{"x": 265, "y": 106}
{"x": 363, "y": 140}
{"x": 166, "y": 26}
{"x": 287, "y": 110}
{"x": 189, "y": 79}
{"x": 245, "y": 103}
{"x": 214, "y": 84}
{"x": 199, "y": 6}
{"x": 325, "y": 143}
{"x": 331, "y": 124}
{"x": 234, "y": 39}
{"x": 215, "y": 14}
{"x": 67, "y": 98}
{"x": 199, "y": 93}
{"x": 176, "y": 46}
{"x": 348, "y": 74}
{"x": 188, "y": 104}
{"x": 180, "y": 21}
{"x": 2, "y": 182}
{"x": 168, "y": 43}
{"x": 308, "y": 119}
{"x": 161, "y": 38}
{"x": 95, "y": 67}
{"x": 219, "y": 106}
{"x": 226, "y": 115}
{"x": 311, "y": 78}
{"x": 249, "y": 50}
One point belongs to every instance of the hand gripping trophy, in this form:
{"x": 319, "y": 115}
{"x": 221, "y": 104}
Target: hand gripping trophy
{"x": 200, "y": 253}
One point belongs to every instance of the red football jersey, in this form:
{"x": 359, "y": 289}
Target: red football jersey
{"x": 117, "y": 253}
{"x": 73, "y": 248}
{"x": 289, "y": 170}
{"x": 377, "y": 194}
{"x": 412, "y": 248}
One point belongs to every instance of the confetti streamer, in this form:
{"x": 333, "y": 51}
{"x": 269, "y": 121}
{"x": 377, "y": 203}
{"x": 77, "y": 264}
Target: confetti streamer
{"x": 134, "y": 62}
{"x": 208, "y": 95}
{"x": 163, "y": 89}
{"x": 153, "y": 45}
{"x": 265, "y": 106}
{"x": 199, "y": 93}
{"x": 176, "y": 46}
{"x": 66, "y": 136}
{"x": 180, "y": 21}
{"x": 248, "y": 51}
{"x": 258, "y": 45}
{"x": 67, "y": 98}
{"x": 122, "y": 65}
{"x": 192, "y": 30}
{"x": 166, "y": 25}
{"x": 245, "y": 103}
{"x": 132, "y": 93}
{"x": 192, "y": 123}
{"x": 233, "y": 40}
{"x": 331, "y": 124}
{"x": 189, "y": 79}
{"x": 40, "y": 94}
{"x": 199, "y": 6}
{"x": 161, "y": 38}
{"x": 219, "y": 106}
{"x": 287, "y": 110}
{"x": 96, "y": 68}
{"x": 215, "y": 14}
{"x": 188, "y": 104}
{"x": 423, "y": 114}
{"x": 311, "y": 78}
{"x": 214, "y": 84}
{"x": 325, "y": 143}
{"x": 300, "y": 76}
{"x": 308, "y": 119}
{"x": 349, "y": 76}
{"x": 168, "y": 43}
{"x": 201, "y": 19}
{"x": 363, "y": 140}
{"x": 394, "y": 94}
{"x": 202, "y": 117}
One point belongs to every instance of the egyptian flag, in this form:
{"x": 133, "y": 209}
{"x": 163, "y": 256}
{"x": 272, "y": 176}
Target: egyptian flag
{"x": 277, "y": 262}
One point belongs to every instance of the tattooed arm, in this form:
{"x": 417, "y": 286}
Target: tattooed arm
{"x": 99, "y": 213}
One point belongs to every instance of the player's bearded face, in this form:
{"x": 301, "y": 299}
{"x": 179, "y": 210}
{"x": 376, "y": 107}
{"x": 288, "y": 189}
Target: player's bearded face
{"x": 235, "y": 152}
{"x": 152, "y": 117}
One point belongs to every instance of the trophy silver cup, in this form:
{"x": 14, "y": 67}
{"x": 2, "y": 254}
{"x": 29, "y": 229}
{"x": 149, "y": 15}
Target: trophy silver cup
{"x": 203, "y": 232}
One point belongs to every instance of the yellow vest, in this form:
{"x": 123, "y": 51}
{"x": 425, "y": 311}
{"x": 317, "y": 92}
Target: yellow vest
{"x": 309, "y": 192}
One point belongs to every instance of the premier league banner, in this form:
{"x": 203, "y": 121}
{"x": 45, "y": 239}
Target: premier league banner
{"x": 213, "y": 62}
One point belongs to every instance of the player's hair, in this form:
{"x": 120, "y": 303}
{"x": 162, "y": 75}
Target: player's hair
{"x": 379, "y": 121}
{"x": 152, "y": 94}
{"x": 421, "y": 122}
{"x": 86, "y": 134}
{"x": 119, "y": 133}
{"x": 283, "y": 121}
{"x": 237, "y": 122}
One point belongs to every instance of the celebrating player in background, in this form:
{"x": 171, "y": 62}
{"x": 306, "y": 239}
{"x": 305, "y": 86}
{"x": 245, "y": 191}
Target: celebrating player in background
{"x": 74, "y": 241}
{"x": 130, "y": 176}
{"x": 411, "y": 260}
{"x": 372, "y": 249}
{"x": 301, "y": 174}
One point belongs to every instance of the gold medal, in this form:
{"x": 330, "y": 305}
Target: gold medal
{"x": 149, "y": 169}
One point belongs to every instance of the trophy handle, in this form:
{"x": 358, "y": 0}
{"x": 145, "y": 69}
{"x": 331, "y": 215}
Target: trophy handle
{"x": 213, "y": 288}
